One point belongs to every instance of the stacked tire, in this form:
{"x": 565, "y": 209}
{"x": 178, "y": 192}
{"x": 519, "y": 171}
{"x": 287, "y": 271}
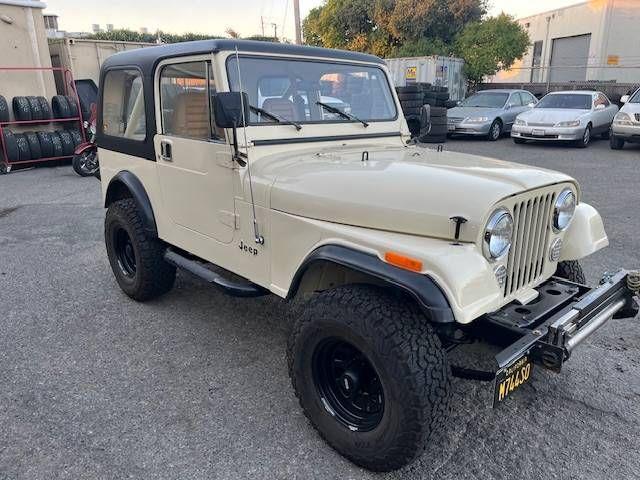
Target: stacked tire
{"x": 436, "y": 131}
{"x": 412, "y": 98}
{"x": 26, "y": 146}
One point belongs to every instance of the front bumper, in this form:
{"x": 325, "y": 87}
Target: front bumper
{"x": 564, "y": 315}
{"x": 561, "y": 134}
{"x": 627, "y": 132}
{"x": 466, "y": 128}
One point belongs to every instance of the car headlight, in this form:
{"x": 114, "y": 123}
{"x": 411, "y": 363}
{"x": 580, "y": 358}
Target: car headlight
{"x": 497, "y": 234}
{"x": 622, "y": 118}
{"x": 476, "y": 119}
{"x": 563, "y": 210}
{"x": 572, "y": 123}
{"x": 520, "y": 122}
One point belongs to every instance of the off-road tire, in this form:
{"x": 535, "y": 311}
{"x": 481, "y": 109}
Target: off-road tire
{"x": 615, "y": 142}
{"x": 11, "y": 145}
{"x": 411, "y": 103}
{"x": 60, "y": 107}
{"x": 76, "y": 136}
{"x": 24, "y": 152}
{"x": 36, "y": 109}
{"x": 21, "y": 109}
{"x": 68, "y": 145}
{"x": 409, "y": 89}
{"x": 56, "y": 141}
{"x": 34, "y": 145}
{"x": 45, "y": 107}
{"x": 46, "y": 144}
{"x": 73, "y": 106}
{"x": 572, "y": 271}
{"x": 4, "y": 109}
{"x": 410, "y": 97}
{"x": 438, "y": 112}
{"x": 407, "y": 356}
{"x": 153, "y": 275}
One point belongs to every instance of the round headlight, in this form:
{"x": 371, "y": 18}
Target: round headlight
{"x": 497, "y": 234}
{"x": 563, "y": 210}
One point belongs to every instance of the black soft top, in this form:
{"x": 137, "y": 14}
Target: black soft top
{"x": 146, "y": 59}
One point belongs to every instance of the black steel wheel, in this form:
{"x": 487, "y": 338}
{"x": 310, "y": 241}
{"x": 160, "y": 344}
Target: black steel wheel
{"x": 370, "y": 374}
{"x": 137, "y": 259}
{"x": 349, "y": 383}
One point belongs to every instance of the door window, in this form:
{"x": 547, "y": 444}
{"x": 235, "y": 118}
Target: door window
{"x": 123, "y": 105}
{"x": 601, "y": 99}
{"x": 186, "y": 90}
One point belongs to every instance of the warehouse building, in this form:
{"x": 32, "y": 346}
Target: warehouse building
{"x": 595, "y": 40}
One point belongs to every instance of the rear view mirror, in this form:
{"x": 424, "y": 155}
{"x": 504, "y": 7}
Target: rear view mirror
{"x": 231, "y": 109}
{"x": 624, "y": 99}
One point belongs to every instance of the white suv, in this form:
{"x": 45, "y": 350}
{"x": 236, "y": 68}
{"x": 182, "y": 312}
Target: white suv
{"x": 626, "y": 124}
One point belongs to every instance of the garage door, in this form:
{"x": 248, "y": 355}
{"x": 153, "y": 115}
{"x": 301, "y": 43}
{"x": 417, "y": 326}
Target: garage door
{"x": 569, "y": 58}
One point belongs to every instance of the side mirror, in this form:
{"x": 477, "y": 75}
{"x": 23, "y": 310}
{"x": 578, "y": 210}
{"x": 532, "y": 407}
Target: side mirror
{"x": 624, "y": 99}
{"x": 600, "y": 107}
{"x": 231, "y": 109}
{"x": 531, "y": 105}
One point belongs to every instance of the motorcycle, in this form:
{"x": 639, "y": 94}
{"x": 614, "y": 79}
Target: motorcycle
{"x": 85, "y": 157}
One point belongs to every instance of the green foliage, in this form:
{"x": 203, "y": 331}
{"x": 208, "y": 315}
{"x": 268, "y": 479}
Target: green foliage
{"x": 491, "y": 45}
{"x": 124, "y": 35}
{"x": 387, "y": 27}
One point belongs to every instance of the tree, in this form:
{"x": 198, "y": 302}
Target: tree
{"x": 124, "y": 35}
{"x": 387, "y": 27}
{"x": 491, "y": 45}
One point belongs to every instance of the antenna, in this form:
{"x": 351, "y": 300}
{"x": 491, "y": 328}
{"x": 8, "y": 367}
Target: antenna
{"x": 256, "y": 232}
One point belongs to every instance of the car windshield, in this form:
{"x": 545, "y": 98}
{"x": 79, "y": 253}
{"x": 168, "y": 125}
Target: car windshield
{"x": 635, "y": 98}
{"x": 486, "y": 100}
{"x": 567, "y": 101}
{"x": 293, "y": 89}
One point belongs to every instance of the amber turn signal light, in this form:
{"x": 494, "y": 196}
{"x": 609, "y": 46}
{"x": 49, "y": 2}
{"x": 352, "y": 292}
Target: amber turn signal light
{"x": 403, "y": 261}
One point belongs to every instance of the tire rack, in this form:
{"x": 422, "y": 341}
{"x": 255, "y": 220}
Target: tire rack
{"x": 69, "y": 86}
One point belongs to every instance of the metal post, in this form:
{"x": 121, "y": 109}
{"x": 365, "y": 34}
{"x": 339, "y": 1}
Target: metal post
{"x": 296, "y": 18}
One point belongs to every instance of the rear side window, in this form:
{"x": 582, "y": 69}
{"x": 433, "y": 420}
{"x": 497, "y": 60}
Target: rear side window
{"x": 123, "y": 112}
{"x": 186, "y": 90}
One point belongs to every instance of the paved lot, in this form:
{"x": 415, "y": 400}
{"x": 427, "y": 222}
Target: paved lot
{"x": 194, "y": 385}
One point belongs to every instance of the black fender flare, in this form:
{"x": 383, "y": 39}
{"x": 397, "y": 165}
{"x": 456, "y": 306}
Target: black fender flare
{"x": 124, "y": 182}
{"x": 420, "y": 287}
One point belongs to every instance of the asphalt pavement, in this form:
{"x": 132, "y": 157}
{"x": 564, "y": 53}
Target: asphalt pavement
{"x": 194, "y": 385}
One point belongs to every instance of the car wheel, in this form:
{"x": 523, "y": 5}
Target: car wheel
{"x": 495, "y": 131}
{"x": 586, "y": 138}
{"x": 136, "y": 259}
{"x": 572, "y": 271}
{"x": 616, "y": 143}
{"x": 606, "y": 135}
{"x": 370, "y": 374}
{"x": 84, "y": 163}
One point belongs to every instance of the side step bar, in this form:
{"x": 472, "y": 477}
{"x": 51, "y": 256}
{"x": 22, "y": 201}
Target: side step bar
{"x": 230, "y": 287}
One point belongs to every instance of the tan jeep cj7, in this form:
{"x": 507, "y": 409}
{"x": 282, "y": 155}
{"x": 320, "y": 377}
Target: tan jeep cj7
{"x": 277, "y": 169}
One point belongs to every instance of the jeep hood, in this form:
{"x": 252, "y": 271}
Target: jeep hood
{"x": 401, "y": 189}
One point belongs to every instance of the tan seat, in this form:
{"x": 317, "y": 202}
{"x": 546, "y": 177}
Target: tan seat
{"x": 191, "y": 116}
{"x": 281, "y": 107}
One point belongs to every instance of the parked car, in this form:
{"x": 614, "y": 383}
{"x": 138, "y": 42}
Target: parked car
{"x": 489, "y": 113}
{"x": 398, "y": 252}
{"x": 626, "y": 123}
{"x": 572, "y": 116}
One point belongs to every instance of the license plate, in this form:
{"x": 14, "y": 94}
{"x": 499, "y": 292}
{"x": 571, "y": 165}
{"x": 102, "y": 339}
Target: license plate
{"x": 537, "y": 133}
{"x": 511, "y": 378}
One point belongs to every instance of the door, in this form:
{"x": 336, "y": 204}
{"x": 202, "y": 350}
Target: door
{"x": 569, "y": 59}
{"x": 514, "y": 107}
{"x": 603, "y": 113}
{"x": 195, "y": 165}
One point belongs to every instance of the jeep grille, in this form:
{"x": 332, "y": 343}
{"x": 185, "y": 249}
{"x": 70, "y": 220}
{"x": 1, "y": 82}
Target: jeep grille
{"x": 527, "y": 255}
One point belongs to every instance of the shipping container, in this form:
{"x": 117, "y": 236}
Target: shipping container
{"x": 436, "y": 70}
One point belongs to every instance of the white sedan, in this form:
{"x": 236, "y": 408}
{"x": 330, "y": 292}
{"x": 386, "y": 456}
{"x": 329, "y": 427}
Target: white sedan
{"x": 573, "y": 116}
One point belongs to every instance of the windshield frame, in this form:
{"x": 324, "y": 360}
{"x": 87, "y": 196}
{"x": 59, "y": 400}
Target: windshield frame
{"x": 635, "y": 97}
{"x": 489, "y": 92}
{"x": 339, "y": 120}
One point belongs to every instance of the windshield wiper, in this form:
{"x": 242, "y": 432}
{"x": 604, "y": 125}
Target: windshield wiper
{"x": 275, "y": 117}
{"x": 346, "y": 115}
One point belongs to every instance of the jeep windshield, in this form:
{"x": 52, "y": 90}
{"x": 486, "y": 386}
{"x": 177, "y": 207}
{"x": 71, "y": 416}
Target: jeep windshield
{"x": 296, "y": 89}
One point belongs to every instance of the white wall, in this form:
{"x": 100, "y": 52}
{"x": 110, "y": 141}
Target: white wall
{"x": 614, "y": 26}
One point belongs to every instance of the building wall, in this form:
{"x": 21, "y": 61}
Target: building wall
{"x": 84, "y": 57}
{"x": 613, "y": 26}
{"x": 23, "y": 43}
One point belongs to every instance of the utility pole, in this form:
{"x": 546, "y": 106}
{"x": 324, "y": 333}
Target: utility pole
{"x": 296, "y": 19}
{"x": 262, "y": 24}
{"x": 275, "y": 31}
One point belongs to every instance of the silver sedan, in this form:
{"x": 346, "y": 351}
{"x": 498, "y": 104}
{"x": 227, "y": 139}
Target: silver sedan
{"x": 572, "y": 116}
{"x": 489, "y": 113}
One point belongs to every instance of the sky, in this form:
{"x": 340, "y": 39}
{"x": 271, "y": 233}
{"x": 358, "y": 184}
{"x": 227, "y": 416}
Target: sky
{"x": 215, "y": 16}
